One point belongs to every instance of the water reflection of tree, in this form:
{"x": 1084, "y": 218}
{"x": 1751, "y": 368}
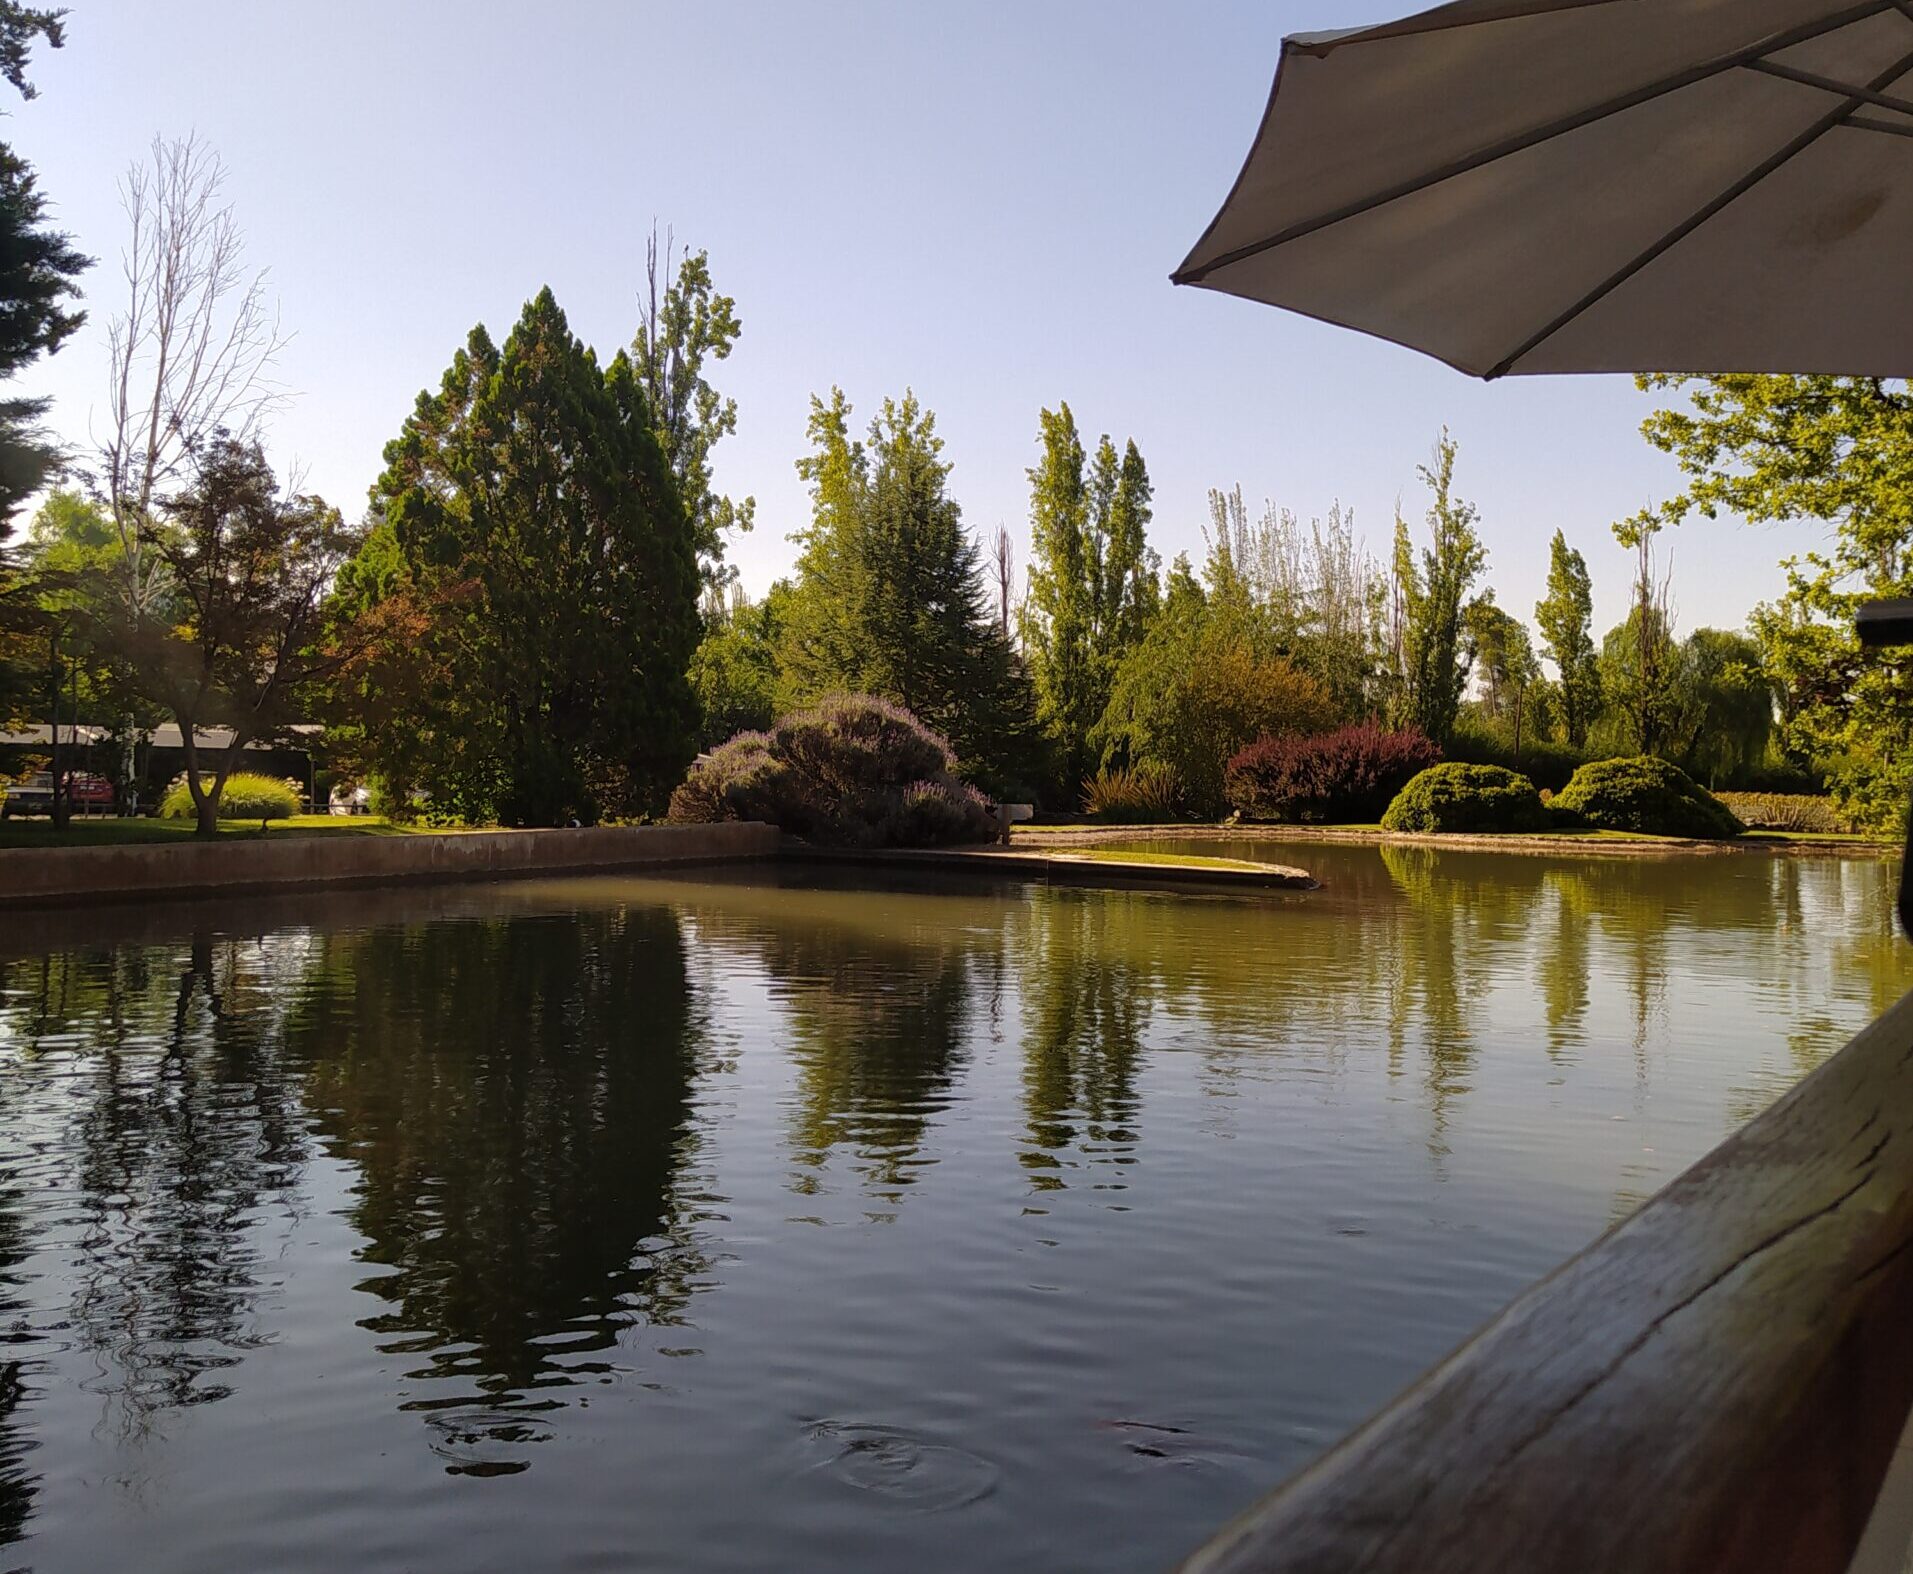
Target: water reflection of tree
{"x": 1465, "y": 919}
{"x": 187, "y": 1141}
{"x": 514, "y": 1095}
{"x": 19, "y": 1483}
{"x": 1087, "y": 995}
{"x": 876, "y": 1032}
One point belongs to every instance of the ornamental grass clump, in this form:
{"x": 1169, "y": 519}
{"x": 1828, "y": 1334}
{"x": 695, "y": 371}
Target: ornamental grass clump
{"x": 1467, "y": 798}
{"x": 1350, "y": 774}
{"x": 1145, "y": 794}
{"x": 247, "y": 797}
{"x": 851, "y": 770}
{"x": 1645, "y": 794}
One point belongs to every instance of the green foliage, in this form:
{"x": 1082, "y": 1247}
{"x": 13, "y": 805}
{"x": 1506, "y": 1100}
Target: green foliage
{"x": 39, "y": 269}
{"x": 1501, "y": 656}
{"x": 1729, "y": 709}
{"x": 1310, "y": 594}
{"x": 1646, "y": 794}
{"x": 1467, "y": 798}
{"x": 1778, "y": 811}
{"x": 734, "y": 669}
{"x": 889, "y": 597}
{"x": 1145, "y": 794}
{"x": 1566, "y": 616}
{"x": 1548, "y": 764}
{"x": 1197, "y": 690}
{"x": 684, "y": 322}
{"x": 533, "y": 583}
{"x": 247, "y": 796}
{"x": 852, "y": 770}
{"x": 1092, "y": 582}
{"x": 1433, "y": 592}
{"x": 1817, "y": 448}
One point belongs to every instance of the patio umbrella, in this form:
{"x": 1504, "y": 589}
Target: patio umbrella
{"x": 1524, "y": 186}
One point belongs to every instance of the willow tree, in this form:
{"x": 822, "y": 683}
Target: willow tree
{"x": 535, "y": 576}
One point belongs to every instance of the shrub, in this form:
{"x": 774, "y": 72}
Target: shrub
{"x": 1135, "y": 795}
{"x": 1458, "y": 797}
{"x": 1544, "y": 762}
{"x": 1644, "y": 793}
{"x": 1348, "y": 774}
{"x": 1787, "y": 811}
{"x": 247, "y": 797}
{"x": 852, "y": 770}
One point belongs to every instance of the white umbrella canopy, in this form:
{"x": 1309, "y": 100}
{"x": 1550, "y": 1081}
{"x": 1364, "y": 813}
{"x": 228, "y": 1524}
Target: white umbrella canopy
{"x": 1530, "y": 186}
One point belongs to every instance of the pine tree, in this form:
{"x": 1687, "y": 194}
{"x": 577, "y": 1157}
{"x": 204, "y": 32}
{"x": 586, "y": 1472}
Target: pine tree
{"x": 1566, "y": 616}
{"x": 530, "y": 526}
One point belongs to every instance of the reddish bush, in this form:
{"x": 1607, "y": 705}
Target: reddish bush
{"x": 1349, "y": 774}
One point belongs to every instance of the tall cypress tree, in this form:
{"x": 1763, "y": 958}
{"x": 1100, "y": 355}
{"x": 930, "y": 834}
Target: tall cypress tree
{"x": 528, "y": 516}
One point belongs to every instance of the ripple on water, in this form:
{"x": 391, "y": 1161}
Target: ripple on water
{"x": 897, "y": 1466}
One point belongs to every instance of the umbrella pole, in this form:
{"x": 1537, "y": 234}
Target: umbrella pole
{"x": 1890, "y": 622}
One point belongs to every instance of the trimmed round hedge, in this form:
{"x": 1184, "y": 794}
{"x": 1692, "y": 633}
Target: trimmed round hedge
{"x": 247, "y": 797}
{"x": 1457, "y": 797}
{"x": 1646, "y": 794}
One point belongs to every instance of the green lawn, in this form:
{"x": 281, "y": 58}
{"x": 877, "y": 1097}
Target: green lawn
{"x": 1190, "y": 860}
{"x": 110, "y": 832}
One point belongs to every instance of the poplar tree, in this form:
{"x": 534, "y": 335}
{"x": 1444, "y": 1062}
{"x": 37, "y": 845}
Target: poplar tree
{"x": 1566, "y": 616}
{"x": 1434, "y": 591}
{"x": 1093, "y": 587}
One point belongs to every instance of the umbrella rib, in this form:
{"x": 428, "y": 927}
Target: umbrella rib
{"x": 1680, "y": 232}
{"x": 1521, "y": 141}
{"x": 1892, "y": 128}
{"x": 1839, "y": 89}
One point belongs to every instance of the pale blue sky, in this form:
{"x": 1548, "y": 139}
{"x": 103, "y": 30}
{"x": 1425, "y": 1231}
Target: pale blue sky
{"x": 982, "y": 201}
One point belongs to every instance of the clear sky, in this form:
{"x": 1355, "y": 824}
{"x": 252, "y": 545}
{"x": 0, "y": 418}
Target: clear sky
{"x": 981, "y": 201}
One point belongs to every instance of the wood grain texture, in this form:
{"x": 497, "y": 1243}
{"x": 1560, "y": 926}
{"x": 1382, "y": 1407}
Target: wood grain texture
{"x": 1714, "y": 1387}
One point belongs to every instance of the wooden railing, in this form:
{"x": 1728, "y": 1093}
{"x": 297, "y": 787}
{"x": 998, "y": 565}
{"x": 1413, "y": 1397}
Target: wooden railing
{"x": 1715, "y": 1385}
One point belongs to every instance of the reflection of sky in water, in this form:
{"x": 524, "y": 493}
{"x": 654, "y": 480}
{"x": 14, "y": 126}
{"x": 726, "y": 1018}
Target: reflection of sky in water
{"x": 735, "y": 1224}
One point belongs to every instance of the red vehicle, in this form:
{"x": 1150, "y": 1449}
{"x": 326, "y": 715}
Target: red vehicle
{"x": 89, "y": 794}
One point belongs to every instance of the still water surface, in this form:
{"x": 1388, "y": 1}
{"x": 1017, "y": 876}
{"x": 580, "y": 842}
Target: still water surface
{"x": 784, "y": 1220}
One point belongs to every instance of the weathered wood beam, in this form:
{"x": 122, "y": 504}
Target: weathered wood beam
{"x": 1714, "y": 1387}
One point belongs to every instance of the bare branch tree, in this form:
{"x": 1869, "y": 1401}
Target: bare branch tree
{"x": 1003, "y": 570}
{"x": 191, "y": 353}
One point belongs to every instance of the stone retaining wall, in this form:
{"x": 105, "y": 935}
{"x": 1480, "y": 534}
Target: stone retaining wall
{"x": 233, "y": 865}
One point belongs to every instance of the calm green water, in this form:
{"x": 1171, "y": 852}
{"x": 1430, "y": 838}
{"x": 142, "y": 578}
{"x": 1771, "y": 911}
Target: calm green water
{"x": 794, "y": 1222}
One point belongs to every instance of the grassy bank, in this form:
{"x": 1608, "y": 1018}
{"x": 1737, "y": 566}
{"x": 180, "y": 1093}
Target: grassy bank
{"x": 1083, "y": 836}
{"x": 106, "y": 832}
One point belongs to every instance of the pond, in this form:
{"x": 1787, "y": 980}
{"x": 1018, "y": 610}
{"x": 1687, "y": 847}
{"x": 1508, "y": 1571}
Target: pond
{"x": 789, "y": 1219}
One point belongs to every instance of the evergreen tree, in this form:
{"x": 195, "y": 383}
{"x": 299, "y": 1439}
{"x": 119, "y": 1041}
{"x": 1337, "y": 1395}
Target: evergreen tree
{"x": 1566, "y": 615}
{"x": 538, "y": 575}
{"x": 889, "y": 597}
{"x": 1433, "y": 592}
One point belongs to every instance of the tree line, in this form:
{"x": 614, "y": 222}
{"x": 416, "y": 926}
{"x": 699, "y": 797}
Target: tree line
{"x": 534, "y": 621}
